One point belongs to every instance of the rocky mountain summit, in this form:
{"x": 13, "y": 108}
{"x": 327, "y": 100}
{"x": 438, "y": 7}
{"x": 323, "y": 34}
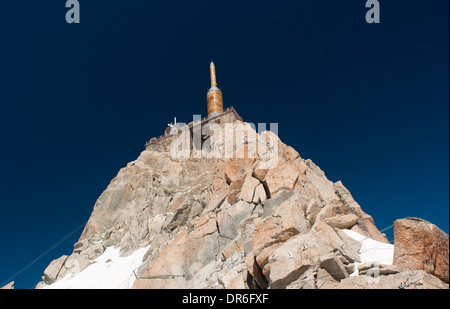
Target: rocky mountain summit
{"x": 267, "y": 220}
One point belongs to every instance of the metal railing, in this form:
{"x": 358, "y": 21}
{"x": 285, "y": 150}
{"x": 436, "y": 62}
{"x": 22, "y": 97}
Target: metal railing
{"x": 190, "y": 124}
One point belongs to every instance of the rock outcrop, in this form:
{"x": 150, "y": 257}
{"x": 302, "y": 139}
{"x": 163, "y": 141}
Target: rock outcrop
{"x": 267, "y": 220}
{"x": 421, "y": 245}
{"x": 9, "y": 286}
{"x": 402, "y": 280}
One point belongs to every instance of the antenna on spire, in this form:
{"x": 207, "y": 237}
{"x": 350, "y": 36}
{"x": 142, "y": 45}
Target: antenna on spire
{"x": 213, "y": 74}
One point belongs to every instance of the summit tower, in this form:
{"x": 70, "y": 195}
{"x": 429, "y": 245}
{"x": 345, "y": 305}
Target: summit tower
{"x": 214, "y": 96}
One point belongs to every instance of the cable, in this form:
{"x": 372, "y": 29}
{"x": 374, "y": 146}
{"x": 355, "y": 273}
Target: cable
{"x": 423, "y": 258}
{"x": 43, "y": 254}
{"x": 439, "y": 251}
{"x": 333, "y": 274}
{"x": 367, "y": 237}
{"x": 402, "y": 284}
{"x": 127, "y": 280}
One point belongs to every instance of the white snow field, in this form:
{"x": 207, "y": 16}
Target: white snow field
{"x": 371, "y": 250}
{"x": 109, "y": 271}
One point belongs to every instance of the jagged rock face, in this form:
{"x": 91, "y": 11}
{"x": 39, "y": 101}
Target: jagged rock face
{"x": 152, "y": 195}
{"x": 247, "y": 222}
{"x": 420, "y": 244}
{"x": 405, "y": 279}
{"x": 9, "y": 286}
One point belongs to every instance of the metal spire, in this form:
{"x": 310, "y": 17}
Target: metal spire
{"x": 213, "y": 74}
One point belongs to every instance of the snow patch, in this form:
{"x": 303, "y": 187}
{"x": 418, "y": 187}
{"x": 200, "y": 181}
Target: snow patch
{"x": 371, "y": 251}
{"x": 108, "y": 271}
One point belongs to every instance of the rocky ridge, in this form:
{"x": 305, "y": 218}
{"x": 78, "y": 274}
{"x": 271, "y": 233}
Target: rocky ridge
{"x": 246, "y": 222}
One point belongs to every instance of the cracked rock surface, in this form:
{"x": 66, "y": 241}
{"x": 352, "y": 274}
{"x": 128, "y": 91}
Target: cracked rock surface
{"x": 226, "y": 223}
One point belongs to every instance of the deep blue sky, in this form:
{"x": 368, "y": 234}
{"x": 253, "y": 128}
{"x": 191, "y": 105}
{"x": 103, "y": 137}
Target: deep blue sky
{"x": 369, "y": 104}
